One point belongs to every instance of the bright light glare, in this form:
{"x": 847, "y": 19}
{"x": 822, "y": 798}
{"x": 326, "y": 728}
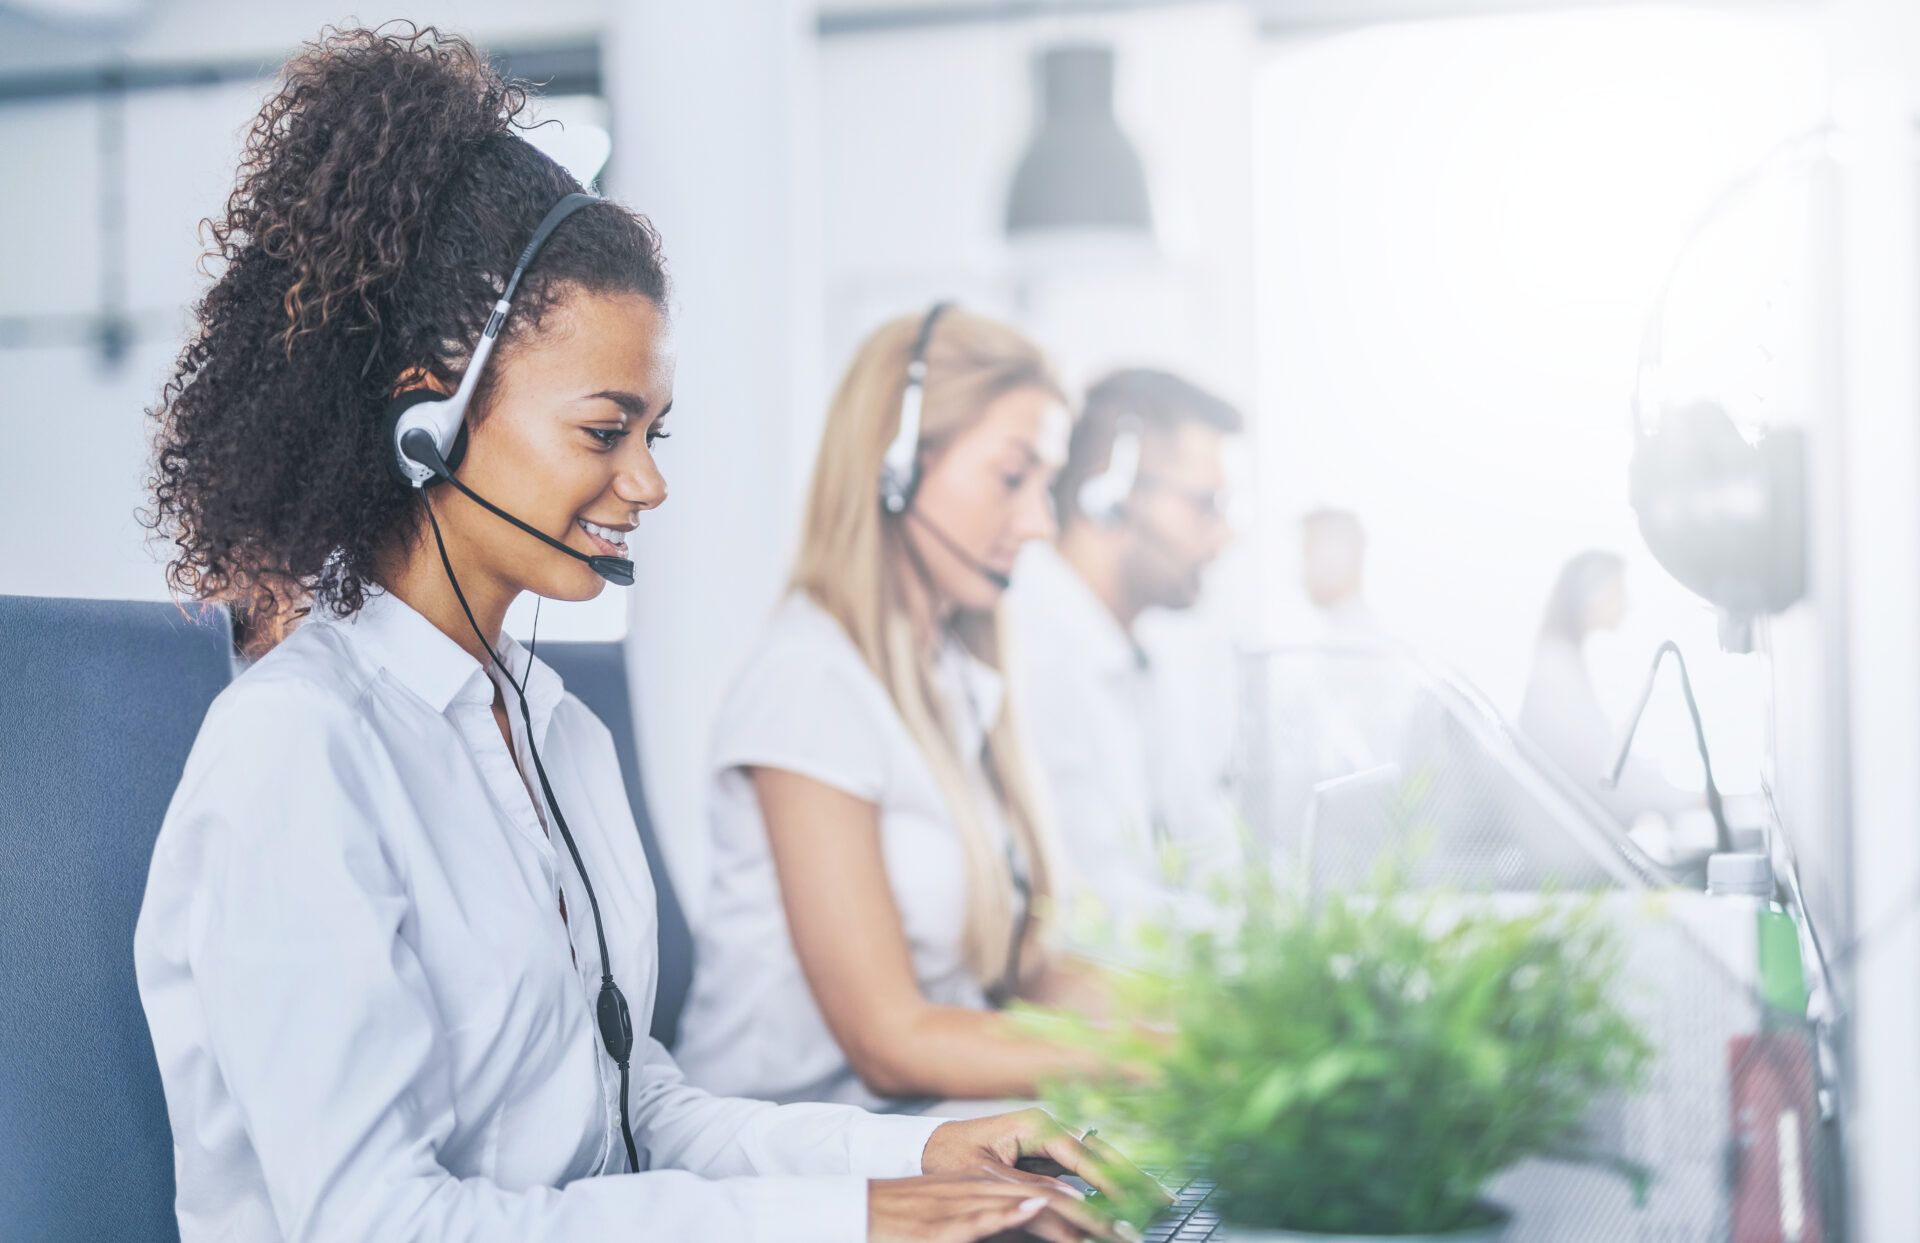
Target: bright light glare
{"x": 574, "y": 135}
{"x": 1464, "y": 226}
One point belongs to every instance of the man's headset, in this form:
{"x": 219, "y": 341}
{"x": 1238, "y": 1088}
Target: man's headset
{"x": 900, "y": 467}
{"x": 426, "y": 434}
{"x": 1103, "y": 497}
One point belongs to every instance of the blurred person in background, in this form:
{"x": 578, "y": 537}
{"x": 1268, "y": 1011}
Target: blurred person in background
{"x": 1142, "y": 810}
{"x": 369, "y": 970}
{"x": 883, "y": 872}
{"x": 1561, "y": 710}
{"x": 1333, "y": 566}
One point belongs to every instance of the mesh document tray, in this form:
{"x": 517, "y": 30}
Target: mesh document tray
{"x": 1349, "y": 752}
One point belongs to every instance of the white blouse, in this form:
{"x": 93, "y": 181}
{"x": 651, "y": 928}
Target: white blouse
{"x": 807, "y": 703}
{"x": 370, "y": 1017}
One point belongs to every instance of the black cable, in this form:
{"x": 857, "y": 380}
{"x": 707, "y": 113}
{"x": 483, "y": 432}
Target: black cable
{"x": 615, "y": 1021}
{"x": 1008, "y": 986}
{"x": 953, "y": 546}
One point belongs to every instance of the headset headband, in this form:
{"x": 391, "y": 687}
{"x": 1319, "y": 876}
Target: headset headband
{"x": 900, "y": 468}
{"x": 443, "y": 416}
{"x": 1103, "y": 496}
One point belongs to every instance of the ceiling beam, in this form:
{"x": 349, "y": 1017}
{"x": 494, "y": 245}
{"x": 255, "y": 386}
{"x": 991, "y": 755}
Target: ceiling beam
{"x": 563, "y": 69}
{"x": 1274, "y": 16}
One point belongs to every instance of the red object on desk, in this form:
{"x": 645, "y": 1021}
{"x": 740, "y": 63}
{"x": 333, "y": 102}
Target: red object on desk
{"x": 1775, "y": 1122}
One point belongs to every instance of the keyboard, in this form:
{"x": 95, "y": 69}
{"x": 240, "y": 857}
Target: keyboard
{"x": 1188, "y": 1219}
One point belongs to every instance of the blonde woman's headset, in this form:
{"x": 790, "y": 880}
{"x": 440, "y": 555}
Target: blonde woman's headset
{"x": 900, "y": 467}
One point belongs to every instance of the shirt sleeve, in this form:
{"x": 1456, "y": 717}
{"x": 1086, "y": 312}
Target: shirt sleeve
{"x": 725, "y": 1137}
{"x": 806, "y": 708}
{"x": 330, "y": 1044}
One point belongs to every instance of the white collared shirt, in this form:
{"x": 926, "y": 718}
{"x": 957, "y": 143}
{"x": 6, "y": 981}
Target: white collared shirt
{"x": 807, "y": 703}
{"x": 370, "y": 1018}
{"x": 1139, "y": 799}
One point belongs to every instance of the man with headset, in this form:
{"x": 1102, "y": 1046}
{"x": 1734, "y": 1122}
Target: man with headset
{"x": 1140, "y": 800}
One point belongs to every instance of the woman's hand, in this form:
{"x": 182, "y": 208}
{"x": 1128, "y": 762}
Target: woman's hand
{"x": 962, "y": 1206}
{"x": 1029, "y": 1134}
{"x": 1034, "y": 1136}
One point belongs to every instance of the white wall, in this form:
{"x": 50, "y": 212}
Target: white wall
{"x": 711, "y": 123}
{"x": 1876, "y": 48}
{"x": 75, "y": 433}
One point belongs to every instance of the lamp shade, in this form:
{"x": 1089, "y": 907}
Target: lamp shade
{"x": 1079, "y": 172}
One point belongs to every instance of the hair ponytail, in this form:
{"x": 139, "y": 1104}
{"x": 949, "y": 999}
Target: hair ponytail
{"x": 344, "y": 165}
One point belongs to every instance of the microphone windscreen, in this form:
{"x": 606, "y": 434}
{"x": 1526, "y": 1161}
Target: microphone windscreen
{"x": 616, "y": 570}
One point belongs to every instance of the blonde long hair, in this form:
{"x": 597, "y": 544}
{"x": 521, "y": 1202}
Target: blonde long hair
{"x": 847, "y": 544}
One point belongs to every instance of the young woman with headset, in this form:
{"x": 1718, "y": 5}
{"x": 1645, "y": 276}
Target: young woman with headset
{"x": 398, "y": 906}
{"x": 882, "y": 871}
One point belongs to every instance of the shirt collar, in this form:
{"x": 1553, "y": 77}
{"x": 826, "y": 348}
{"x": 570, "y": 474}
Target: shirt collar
{"x": 420, "y": 656}
{"x": 543, "y": 686}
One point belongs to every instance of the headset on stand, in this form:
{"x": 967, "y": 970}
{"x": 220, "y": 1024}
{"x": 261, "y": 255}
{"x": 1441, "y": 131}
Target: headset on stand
{"x": 1724, "y": 511}
{"x": 426, "y": 438}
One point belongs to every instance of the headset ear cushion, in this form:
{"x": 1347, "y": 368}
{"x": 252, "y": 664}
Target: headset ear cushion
{"x": 459, "y": 451}
{"x": 390, "y": 426}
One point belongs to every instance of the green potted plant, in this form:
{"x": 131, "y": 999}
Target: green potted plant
{"x": 1362, "y": 1067}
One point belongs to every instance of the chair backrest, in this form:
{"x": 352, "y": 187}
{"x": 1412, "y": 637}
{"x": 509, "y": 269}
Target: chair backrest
{"x": 99, "y": 705}
{"x": 597, "y": 673}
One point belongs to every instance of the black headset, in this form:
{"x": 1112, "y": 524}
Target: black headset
{"x": 424, "y": 433}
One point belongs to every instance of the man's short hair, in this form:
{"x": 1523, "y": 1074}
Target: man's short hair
{"x": 1159, "y": 400}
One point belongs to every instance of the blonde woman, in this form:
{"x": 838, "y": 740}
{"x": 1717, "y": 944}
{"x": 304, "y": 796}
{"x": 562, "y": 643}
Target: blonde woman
{"x": 882, "y": 871}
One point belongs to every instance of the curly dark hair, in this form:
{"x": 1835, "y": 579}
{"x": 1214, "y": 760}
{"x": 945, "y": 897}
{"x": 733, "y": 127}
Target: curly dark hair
{"x": 382, "y": 197}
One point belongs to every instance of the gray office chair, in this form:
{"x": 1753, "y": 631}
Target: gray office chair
{"x": 597, "y": 673}
{"x": 99, "y": 704}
